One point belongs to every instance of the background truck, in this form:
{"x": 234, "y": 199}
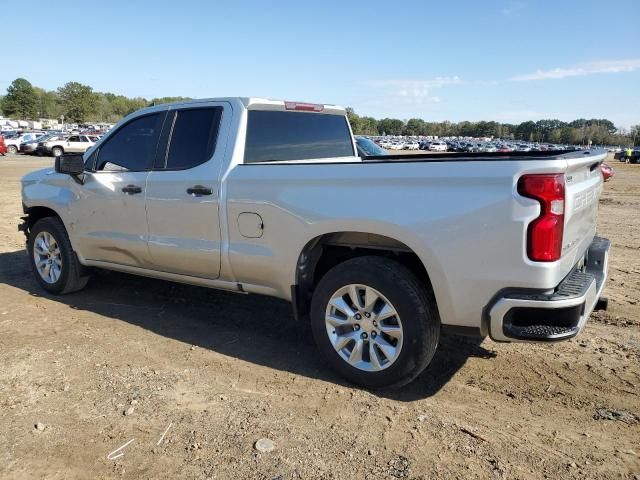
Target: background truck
{"x": 379, "y": 253}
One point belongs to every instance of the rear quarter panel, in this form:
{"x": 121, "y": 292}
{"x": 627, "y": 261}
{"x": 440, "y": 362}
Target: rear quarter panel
{"x": 464, "y": 220}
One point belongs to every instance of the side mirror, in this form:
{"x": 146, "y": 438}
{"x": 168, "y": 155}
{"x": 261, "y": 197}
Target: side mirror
{"x": 70, "y": 164}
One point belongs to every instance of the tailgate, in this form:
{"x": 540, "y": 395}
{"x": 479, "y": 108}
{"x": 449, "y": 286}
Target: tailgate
{"x": 583, "y": 184}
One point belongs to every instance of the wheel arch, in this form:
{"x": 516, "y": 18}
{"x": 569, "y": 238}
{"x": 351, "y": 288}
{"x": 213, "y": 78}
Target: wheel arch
{"x": 35, "y": 213}
{"x": 327, "y": 250}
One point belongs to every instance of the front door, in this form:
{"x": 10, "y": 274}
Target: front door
{"x": 74, "y": 144}
{"x": 183, "y": 193}
{"x": 110, "y": 215}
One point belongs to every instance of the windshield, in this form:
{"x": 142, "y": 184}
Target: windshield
{"x": 369, "y": 147}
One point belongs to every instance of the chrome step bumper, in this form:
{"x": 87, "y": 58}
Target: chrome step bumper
{"x": 529, "y": 315}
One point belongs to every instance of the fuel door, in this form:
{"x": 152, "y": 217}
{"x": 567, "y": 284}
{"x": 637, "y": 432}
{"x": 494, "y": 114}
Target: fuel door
{"x": 250, "y": 225}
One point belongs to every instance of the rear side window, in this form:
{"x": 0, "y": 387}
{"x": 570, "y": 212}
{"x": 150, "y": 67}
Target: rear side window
{"x": 194, "y": 136}
{"x": 280, "y": 136}
{"x": 132, "y": 147}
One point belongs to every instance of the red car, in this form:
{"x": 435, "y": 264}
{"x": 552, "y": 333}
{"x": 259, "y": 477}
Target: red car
{"x": 607, "y": 172}
{"x": 3, "y": 147}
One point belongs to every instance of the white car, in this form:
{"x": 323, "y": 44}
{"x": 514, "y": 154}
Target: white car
{"x": 70, "y": 144}
{"x": 13, "y": 144}
{"x": 411, "y": 145}
{"x": 438, "y": 147}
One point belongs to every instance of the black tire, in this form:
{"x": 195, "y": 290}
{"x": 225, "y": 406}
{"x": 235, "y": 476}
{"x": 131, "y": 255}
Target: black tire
{"x": 12, "y": 150}
{"x": 412, "y": 300}
{"x": 73, "y": 275}
{"x": 57, "y": 151}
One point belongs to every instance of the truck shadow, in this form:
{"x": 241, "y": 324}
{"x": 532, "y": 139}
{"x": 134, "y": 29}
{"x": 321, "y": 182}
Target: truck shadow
{"x": 252, "y": 328}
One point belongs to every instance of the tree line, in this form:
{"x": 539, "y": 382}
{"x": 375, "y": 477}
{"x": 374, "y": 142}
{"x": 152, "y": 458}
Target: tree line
{"x": 77, "y": 102}
{"x": 578, "y": 132}
{"x": 80, "y": 103}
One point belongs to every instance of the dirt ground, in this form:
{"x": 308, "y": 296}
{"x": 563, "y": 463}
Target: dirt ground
{"x": 129, "y": 357}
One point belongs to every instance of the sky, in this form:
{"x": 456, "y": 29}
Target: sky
{"x": 503, "y": 60}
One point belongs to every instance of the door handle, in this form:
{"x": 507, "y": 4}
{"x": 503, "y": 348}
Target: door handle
{"x": 132, "y": 189}
{"x": 199, "y": 190}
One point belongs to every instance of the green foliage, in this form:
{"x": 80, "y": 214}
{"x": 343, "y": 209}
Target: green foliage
{"x": 599, "y": 131}
{"x": 161, "y": 100}
{"x": 78, "y": 101}
{"x": 48, "y": 105}
{"x": 21, "y": 100}
{"x": 390, "y": 126}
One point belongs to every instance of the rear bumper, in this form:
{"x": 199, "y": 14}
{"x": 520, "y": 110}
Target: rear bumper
{"x": 551, "y": 316}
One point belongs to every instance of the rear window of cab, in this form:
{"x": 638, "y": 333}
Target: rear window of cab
{"x": 275, "y": 136}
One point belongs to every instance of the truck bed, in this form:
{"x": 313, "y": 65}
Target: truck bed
{"x": 480, "y": 156}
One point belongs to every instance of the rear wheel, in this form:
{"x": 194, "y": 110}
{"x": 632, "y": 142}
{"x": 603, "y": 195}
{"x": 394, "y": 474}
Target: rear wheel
{"x": 57, "y": 151}
{"x": 53, "y": 261}
{"x": 375, "y": 322}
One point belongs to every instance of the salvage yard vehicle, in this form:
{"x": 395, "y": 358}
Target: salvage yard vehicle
{"x": 438, "y": 147}
{"x": 68, "y": 144}
{"x": 13, "y": 145}
{"x": 270, "y": 197}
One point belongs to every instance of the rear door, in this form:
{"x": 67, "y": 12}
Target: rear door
{"x": 183, "y": 191}
{"x": 110, "y": 221}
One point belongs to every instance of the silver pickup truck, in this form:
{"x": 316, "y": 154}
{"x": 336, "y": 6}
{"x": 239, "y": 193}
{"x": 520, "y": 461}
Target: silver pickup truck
{"x": 379, "y": 253}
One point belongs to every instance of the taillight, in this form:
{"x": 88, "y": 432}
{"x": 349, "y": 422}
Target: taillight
{"x": 544, "y": 235}
{"x": 304, "y": 107}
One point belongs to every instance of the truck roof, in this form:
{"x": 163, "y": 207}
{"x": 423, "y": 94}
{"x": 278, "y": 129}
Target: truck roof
{"x": 256, "y": 103}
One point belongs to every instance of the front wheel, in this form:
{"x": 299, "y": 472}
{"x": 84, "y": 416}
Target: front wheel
{"x": 57, "y": 151}
{"x": 12, "y": 149}
{"x": 53, "y": 261}
{"x": 375, "y": 322}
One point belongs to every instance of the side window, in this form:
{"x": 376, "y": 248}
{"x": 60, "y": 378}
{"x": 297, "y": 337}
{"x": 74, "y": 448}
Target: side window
{"x": 84, "y": 139}
{"x": 73, "y": 139}
{"x": 281, "y": 136}
{"x": 133, "y": 146}
{"x": 194, "y": 136}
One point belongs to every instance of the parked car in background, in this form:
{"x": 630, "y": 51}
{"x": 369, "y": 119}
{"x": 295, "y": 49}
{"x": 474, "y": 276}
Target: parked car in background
{"x": 438, "y": 147}
{"x": 607, "y": 172}
{"x": 69, "y": 144}
{"x": 623, "y": 157}
{"x": 30, "y": 147}
{"x": 13, "y": 144}
{"x": 43, "y": 144}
